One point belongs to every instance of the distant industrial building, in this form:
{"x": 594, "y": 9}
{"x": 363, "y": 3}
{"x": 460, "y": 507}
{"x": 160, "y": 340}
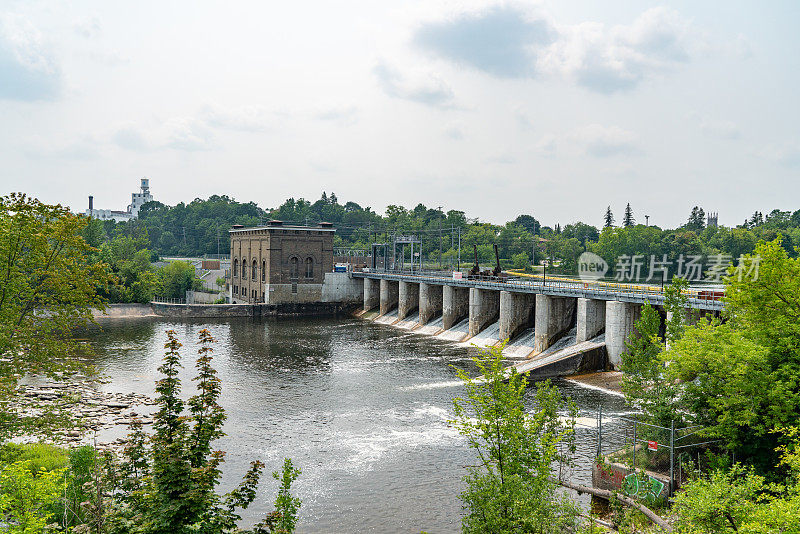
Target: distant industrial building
{"x": 137, "y": 201}
{"x": 280, "y": 263}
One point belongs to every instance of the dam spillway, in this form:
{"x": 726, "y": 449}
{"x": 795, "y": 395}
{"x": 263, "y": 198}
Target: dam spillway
{"x": 531, "y": 317}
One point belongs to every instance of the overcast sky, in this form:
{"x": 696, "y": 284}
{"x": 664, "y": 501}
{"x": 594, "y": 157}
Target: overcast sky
{"x": 555, "y": 108}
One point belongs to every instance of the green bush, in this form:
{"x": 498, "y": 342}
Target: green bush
{"x": 40, "y": 456}
{"x": 27, "y": 497}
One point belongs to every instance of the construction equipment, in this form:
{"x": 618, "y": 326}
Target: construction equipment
{"x": 476, "y": 269}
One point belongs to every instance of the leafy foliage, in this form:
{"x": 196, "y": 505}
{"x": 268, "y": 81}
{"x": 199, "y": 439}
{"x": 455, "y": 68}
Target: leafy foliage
{"x": 44, "y": 264}
{"x": 510, "y": 489}
{"x": 739, "y": 379}
{"x": 26, "y": 498}
{"x": 643, "y": 383}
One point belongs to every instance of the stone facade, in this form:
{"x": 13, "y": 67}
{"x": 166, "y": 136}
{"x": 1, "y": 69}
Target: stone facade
{"x": 279, "y": 263}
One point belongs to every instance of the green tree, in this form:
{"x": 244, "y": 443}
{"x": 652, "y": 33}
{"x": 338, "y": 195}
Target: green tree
{"x": 129, "y": 259}
{"x": 697, "y": 220}
{"x": 176, "y": 278}
{"x": 609, "y": 218}
{"x": 286, "y": 505}
{"x": 628, "y": 220}
{"x": 45, "y": 264}
{"x": 169, "y": 487}
{"x": 510, "y": 489}
{"x": 643, "y": 383}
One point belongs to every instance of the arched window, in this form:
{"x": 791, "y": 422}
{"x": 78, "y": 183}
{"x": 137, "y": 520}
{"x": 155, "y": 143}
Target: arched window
{"x": 309, "y": 268}
{"x": 254, "y": 274}
{"x": 236, "y": 267}
{"x": 244, "y": 269}
{"x": 264, "y": 271}
{"x": 294, "y": 268}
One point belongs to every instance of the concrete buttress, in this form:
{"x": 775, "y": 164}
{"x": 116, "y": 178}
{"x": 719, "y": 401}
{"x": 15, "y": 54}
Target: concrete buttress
{"x": 553, "y": 318}
{"x": 621, "y": 320}
{"x": 517, "y": 312}
{"x": 484, "y": 308}
{"x": 389, "y": 290}
{"x": 455, "y": 305}
{"x": 407, "y": 299}
{"x": 591, "y": 319}
{"x": 430, "y": 302}
{"x": 372, "y": 294}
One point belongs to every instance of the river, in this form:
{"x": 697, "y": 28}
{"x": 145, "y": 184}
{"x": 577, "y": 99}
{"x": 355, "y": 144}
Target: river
{"x": 361, "y": 408}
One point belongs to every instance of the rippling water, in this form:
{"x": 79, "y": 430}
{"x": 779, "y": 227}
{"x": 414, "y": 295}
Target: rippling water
{"x": 361, "y": 408}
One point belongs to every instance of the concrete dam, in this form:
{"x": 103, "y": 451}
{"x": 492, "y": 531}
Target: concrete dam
{"x": 555, "y": 328}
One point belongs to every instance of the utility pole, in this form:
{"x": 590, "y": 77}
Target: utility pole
{"x": 217, "y": 243}
{"x": 459, "y": 249}
{"x": 440, "y": 237}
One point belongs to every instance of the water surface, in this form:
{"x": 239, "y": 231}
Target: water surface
{"x": 361, "y": 408}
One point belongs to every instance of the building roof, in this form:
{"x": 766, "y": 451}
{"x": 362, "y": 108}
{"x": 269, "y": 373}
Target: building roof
{"x": 326, "y": 228}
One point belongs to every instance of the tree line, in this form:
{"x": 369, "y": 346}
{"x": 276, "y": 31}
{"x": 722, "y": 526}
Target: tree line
{"x": 200, "y": 228}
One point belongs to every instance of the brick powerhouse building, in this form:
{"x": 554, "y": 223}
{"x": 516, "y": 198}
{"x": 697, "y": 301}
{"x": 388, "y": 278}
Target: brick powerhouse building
{"x": 277, "y": 263}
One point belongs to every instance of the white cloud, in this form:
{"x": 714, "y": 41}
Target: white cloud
{"x": 28, "y": 68}
{"x": 178, "y": 133}
{"x": 428, "y": 90}
{"x": 343, "y": 116}
{"x": 591, "y": 140}
{"x": 521, "y": 43}
{"x": 607, "y": 60}
{"x": 502, "y": 40}
{"x": 88, "y": 27}
{"x": 243, "y": 119}
{"x": 787, "y": 154}
{"x": 721, "y": 129}
{"x": 455, "y": 133}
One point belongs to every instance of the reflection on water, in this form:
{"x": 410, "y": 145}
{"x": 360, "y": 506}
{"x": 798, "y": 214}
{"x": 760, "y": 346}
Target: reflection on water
{"x": 362, "y": 408}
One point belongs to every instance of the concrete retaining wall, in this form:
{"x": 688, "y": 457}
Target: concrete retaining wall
{"x": 611, "y": 476}
{"x": 201, "y": 297}
{"x": 289, "y": 309}
{"x": 340, "y": 287}
{"x": 124, "y": 311}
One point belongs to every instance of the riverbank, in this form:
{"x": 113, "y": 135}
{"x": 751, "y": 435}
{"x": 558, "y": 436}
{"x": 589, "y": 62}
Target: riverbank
{"x": 207, "y": 311}
{"x": 96, "y": 415}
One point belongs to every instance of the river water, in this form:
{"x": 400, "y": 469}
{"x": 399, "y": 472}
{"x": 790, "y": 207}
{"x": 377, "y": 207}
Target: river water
{"x": 361, "y": 408}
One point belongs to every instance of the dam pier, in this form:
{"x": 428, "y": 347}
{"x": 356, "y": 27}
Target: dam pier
{"x": 557, "y": 327}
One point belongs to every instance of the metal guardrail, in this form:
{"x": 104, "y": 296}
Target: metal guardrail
{"x": 556, "y": 287}
{"x": 160, "y": 300}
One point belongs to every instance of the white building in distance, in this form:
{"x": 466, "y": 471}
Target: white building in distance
{"x": 137, "y": 200}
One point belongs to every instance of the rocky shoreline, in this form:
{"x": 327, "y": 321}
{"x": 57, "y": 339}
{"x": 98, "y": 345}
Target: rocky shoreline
{"x": 93, "y": 412}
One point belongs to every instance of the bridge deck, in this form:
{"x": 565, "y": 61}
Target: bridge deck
{"x": 560, "y": 288}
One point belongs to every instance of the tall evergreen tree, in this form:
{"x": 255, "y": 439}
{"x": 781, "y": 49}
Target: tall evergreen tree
{"x": 609, "y": 218}
{"x": 628, "y": 220}
{"x": 697, "y": 219}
